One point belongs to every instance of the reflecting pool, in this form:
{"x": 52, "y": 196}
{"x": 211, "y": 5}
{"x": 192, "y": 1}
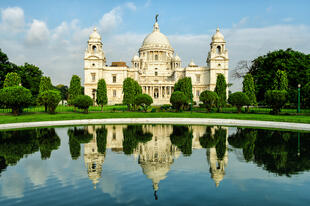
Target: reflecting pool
{"x": 154, "y": 165}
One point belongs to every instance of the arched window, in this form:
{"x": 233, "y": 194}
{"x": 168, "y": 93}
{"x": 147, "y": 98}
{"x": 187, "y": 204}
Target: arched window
{"x": 156, "y": 73}
{"x": 156, "y": 57}
{"x": 218, "y": 49}
{"x": 94, "y": 48}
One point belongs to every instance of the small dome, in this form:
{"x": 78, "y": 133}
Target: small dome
{"x": 95, "y": 35}
{"x": 177, "y": 58}
{"x": 135, "y": 58}
{"x": 218, "y": 36}
{"x": 156, "y": 39}
{"x": 192, "y": 64}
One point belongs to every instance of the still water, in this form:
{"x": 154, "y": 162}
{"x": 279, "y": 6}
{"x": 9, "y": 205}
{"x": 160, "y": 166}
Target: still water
{"x": 154, "y": 165}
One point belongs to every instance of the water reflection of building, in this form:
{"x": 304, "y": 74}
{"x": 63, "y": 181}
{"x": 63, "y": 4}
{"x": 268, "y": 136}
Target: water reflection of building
{"x": 217, "y": 165}
{"x": 156, "y": 156}
{"x": 92, "y": 158}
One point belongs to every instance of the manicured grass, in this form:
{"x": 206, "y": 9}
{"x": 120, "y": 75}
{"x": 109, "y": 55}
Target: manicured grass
{"x": 34, "y": 117}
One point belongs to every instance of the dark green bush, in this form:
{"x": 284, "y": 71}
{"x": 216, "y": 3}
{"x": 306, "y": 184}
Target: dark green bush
{"x": 178, "y": 99}
{"x": 16, "y": 98}
{"x": 209, "y": 99}
{"x": 143, "y": 100}
{"x": 83, "y": 102}
{"x": 276, "y": 99}
{"x": 239, "y": 99}
{"x": 50, "y": 98}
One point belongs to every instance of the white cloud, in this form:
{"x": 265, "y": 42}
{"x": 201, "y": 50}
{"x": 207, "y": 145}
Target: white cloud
{"x": 38, "y": 33}
{"x": 12, "y": 19}
{"x": 288, "y": 19}
{"x": 110, "y": 20}
{"x": 131, "y": 6}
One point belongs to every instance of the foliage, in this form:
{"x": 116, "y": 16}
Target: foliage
{"x": 280, "y": 81}
{"x": 209, "y": 99}
{"x": 101, "y": 139}
{"x": 83, "y": 102}
{"x": 31, "y": 77}
{"x": 216, "y": 139}
{"x": 12, "y": 79}
{"x": 63, "y": 92}
{"x": 134, "y": 134}
{"x": 178, "y": 99}
{"x": 182, "y": 137}
{"x": 102, "y": 98}
{"x": 75, "y": 88}
{"x": 131, "y": 88}
{"x": 276, "y": 99}
{"x": 16, "y": 98}
{"x": 238, "y": 99}
{"x": 50, "y": 98}
{"x": 77, "y": 137}
{"x": 143, "y": 100}
{"x": 15, "y": 144}
{"x": 45, "y": 84}
{"x": 306, "y": 91}
{"x": 184, "y": 85}
{"x": 221, "y": 89}
{"x": 249, "y": 88}
{"x": 294, "y": 63}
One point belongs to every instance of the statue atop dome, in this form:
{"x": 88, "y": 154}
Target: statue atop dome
{"x": 156, "y": 18}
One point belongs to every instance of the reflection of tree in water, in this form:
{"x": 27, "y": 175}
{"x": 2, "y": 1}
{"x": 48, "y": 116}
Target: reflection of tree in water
{"x": 15, "y": 144}
{"x": 276, "y": 151}
{"x": 3, "y": 164}
{"x": 134, "y": 134}
{"x": 77, "y": 136}
{"x": 48, "y": 141}
{"x": 101, "y": 139}
{"x": 214, "y": 140}
{"x": 182, "y": 137}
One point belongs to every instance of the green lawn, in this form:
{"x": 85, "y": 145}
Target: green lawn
{"x": 33, "y": 117}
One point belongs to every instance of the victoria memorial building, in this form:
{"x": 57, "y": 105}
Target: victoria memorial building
{"x": 156, "y": 68}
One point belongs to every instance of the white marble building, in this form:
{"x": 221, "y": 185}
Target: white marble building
{"x": 156, "y": 68}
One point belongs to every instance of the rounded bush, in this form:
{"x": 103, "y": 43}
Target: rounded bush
{"x": 16, "y": 98}
{"x": 238, "y": 99}
{"x": 209, "y": 99}
{"x": 143, "y": 100}
{"x": 178, "y": 99}
{"x": 50, "y": 98}
{"x": 276, "y": 99}
{"x": 83, "y": 102}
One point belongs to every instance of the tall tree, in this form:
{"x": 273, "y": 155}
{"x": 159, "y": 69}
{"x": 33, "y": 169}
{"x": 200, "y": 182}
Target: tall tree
{"x": 75, "y": 88}
{"x": 220, "y": 90}
{"x": 295, "y": 64}
{"x": 5, "y": 67}
{"x": 12, "y": 79}
{"x": 280, "y": 81}
{"x": 45, "y": 85}
{"x": 184, "y": 85}
{"x": 249, "y": 88}
{"x": 131, "y": 88}
{"x": 102, "y": 98}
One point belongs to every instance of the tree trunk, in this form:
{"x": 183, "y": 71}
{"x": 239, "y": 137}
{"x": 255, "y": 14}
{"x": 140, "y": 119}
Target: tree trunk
{"x": 45, "y": 107}
{"x": 15, "y": 111}
{"x": 102, "y": 107}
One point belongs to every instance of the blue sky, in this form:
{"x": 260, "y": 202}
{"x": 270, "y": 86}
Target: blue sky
{"x": 53, "y": 34}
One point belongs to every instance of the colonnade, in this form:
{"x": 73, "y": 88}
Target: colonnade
{"x": 158, "y": 92}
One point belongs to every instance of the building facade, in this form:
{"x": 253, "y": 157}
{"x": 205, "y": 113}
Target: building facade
{"x": 156, "y": 68}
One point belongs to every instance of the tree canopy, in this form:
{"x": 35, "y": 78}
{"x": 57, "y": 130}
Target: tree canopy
{"x": 102, "y": 98}
{"x": 295, "y": 64}
{"x": 184, "y": 85}
{"x": 249, "y": 89}
{"x": 12, "y": 79}
{"x": 75, "y": 88}
{"x": 209, "y": 99}
{"x": 131, "y": 88}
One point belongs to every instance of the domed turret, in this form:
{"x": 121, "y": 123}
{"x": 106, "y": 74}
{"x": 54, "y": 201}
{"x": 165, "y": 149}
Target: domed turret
{"x": 192, "y": 64}
{"x": 95, "y": 36}
{"x": 218, "y": 36}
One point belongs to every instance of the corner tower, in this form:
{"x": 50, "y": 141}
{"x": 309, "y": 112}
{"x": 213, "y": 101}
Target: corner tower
{"x": 217, "y": 58}
{"x": 94, "y": 61}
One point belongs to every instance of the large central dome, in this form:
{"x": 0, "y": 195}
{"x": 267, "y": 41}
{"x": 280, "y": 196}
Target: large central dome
{"x": 156, "y": 40}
